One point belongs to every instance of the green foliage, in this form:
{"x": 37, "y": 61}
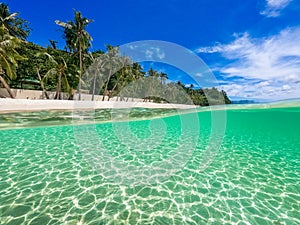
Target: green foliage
{"x": 13, "y": 24}
{"x": 9, "y": 55}
{"x": 9, "y": 58}
{"x": 27, "y": 70}
{"x": 61, "y": 72}
{"x": 65, "y": 60}
{"x": 119, "y": 79}
{"x": 77, "y": 38}
{"x": 123, "y": 79}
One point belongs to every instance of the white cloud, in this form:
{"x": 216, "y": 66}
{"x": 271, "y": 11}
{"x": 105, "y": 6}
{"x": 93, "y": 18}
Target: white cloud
{"x": 263, "y": 84}
{"x": 199, "y": 75}
{"x": 273, "y": 60}
{"x": 154, "y": 52}
{"x": 193, "y": 85}
{"x": 212, "y": 49}
{"x": 132, "y": 47}
{"x": 248, "y": 90}
{"x": 286, "y": 87}
{"x": 274, "y": 7}
{"x": 149, "y": 54}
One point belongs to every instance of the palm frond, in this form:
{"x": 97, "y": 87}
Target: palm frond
{"x": 63, "y": 24}
{"x": 10, "y": 17}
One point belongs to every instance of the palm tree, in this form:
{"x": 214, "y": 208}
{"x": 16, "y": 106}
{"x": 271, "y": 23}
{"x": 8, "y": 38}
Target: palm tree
{"x": 77, "y": 39}
{"x": 112, "y": 65}
{"x": 137, "y": 74}
{"x": 180, "y": 84}
{"x": 14, "y": 25}
{"x": 60, "y": 72}
{"x": 191, "y": 90}
{"x": 152, "y": 73}
{"x": 8, "y": 58}
{"x": 153, "y": 76}
{"x": 123, "y": 76}
{"x": 42, "y": 83}
{"x": 93, "y": 74}
{"x": 163, "y": 77}
{"x": 53, "y": 44}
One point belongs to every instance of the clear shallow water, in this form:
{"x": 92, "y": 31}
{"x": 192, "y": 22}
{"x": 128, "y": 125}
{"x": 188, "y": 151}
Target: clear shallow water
{"x": 254, "y": 179}
{"x": 60, "y": 117}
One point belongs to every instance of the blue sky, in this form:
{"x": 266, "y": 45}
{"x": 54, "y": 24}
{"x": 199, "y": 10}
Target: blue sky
{"x": 251, "y": 46}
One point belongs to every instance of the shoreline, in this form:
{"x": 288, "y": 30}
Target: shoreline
{"x": 29, "y": 105}
{"x": 8, "y": 105}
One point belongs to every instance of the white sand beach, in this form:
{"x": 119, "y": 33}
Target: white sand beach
{"x": 18, "y": 105}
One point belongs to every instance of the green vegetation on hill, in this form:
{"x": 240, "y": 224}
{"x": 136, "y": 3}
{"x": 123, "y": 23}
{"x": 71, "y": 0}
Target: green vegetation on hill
{"x": 30, "y": 66}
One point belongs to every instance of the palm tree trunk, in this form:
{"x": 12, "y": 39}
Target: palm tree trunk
{"x": 80, "y": 68}
{"x": 114, "y": 87}
{"x": 59, "y": 87}
{"x": 94, "y": 87}
{"x": 11, "y": 94}
{"x": 106, "y": 85}
{"x": 41, "y": 83}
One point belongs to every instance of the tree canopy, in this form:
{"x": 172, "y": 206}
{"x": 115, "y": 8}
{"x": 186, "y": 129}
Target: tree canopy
{"x": 12, "y": 23}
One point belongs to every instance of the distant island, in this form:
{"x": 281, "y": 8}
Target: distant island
{"x": 244, "y": 101}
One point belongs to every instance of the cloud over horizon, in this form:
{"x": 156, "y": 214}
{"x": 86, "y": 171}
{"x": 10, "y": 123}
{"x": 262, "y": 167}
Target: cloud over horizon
{"x": 269, "y": 66}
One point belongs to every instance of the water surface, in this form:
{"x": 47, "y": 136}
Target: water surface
{"x": 254, "y": 178}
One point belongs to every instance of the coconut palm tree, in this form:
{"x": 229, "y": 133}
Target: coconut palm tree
{"x": 77, "y": 39}
{"x": 8, "y": 58}
{"x": 112, "y": 64}
{"x": 60, "y": 72}
{"x": 94, "y": 74}
{"x": 153, "y": 73}
{"x": 153, "y": 76}
{"x": 42, "y": 83}
{"x": 137, "y": 74}
{"x": 163, "y": 77}
{"x": 123, "y": 76}
{"x": 13, "y": 24}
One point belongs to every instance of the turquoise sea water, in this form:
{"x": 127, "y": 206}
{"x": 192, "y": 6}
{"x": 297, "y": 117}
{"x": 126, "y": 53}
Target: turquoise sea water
{"x": 47, "y": 177}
